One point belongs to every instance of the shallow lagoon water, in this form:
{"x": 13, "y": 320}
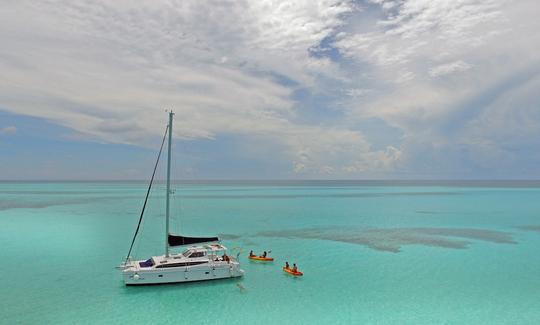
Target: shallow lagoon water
{"x": 371, "y": 253}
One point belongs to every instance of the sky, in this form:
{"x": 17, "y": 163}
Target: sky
{"x": 303, "y": 89}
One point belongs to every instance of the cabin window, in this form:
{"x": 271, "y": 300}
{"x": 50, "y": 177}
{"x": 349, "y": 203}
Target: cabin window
{"x": 196, "y": 254}
{"x": 171, "y": 265}
{"x": 180, "y": 264}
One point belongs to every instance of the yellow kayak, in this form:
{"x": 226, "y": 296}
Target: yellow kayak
{"x": 259, "y": 258}
{"x": 291, "y": 272}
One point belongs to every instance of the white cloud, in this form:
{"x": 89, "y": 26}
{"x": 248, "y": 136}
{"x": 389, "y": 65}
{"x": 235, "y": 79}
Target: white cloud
{"x": 109, "y": 69}
{"x": 8, "y": 130}
{"x": 415, "y": 33}
{"x": 298, "y": 167}
{"x": 509, "y": 128}
{"x": 421, "y": 55}
{"x": 337, "y": 151}
{"x": 449, "y": 68}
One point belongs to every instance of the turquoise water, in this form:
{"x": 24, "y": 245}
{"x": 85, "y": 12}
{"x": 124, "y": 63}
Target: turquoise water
{"x": 371, "y": 253}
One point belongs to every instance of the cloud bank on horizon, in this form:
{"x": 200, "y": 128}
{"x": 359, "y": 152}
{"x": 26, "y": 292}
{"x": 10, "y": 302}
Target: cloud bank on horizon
{"x": 328, "y": 88}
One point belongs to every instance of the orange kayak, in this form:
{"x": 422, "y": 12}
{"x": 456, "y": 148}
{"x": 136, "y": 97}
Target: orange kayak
{"x": 291, "y": 272}
{"x": 258, "y": 258}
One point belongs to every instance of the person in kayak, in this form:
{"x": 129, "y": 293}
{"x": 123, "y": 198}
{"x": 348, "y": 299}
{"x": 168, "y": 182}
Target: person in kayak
{"x": 287, "y": 265}
{"x": 263, "y": 255}
{"x": 294, "y": 268}
{"x": 251, "y": 254}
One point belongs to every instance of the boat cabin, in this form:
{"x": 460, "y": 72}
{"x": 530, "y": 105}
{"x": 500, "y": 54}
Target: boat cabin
{"x": 191, "y": 256}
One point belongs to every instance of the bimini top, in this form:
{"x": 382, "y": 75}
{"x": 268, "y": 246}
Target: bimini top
{"x": 204, "y": 248}
{"x": 183, "y": 240}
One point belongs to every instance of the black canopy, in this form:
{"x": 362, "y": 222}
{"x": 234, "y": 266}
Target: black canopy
{"x": 183, "y": 240}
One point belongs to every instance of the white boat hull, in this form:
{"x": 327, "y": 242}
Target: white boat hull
{"x": 142, "y": 276}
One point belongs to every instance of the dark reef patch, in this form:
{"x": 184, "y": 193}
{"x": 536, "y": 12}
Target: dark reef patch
{"x": 530, "y": 228}
{"x": 393, "y": 239}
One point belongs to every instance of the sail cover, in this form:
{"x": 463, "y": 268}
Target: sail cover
{"x": 183, "y": 240}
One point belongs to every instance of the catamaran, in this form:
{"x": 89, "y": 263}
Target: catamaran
{"x": 203, "y": 258}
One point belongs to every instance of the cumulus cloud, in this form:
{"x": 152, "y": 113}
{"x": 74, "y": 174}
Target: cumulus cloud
{"x": 108, "y": 70}
{"x": 446, "y": 71}
{"x": 454, "y": 77}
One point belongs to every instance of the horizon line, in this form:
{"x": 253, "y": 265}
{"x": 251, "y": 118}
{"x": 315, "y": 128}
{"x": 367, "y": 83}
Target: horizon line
{"x": 281, "y": 180}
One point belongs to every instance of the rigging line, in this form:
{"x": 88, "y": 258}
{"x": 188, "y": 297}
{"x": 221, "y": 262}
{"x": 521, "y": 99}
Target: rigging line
{"x": 147, "y": 193}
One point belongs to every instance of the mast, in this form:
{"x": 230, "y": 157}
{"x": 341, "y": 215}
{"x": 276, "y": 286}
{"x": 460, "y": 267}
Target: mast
{"x": 167, "y": 204}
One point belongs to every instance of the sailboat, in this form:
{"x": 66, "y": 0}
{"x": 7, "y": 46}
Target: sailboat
{"x": 202, "y": 258}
